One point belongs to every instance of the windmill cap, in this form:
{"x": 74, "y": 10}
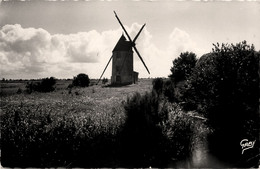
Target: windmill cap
{"x": 123, "y": 45}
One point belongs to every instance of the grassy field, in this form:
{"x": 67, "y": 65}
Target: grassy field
{"x": 85, "y": 127}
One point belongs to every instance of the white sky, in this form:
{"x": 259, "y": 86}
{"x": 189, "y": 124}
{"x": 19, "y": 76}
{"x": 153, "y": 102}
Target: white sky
{"x": 63, "y": 38}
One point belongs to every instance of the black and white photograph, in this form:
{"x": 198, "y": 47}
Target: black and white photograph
{"x": 129, "y": 84}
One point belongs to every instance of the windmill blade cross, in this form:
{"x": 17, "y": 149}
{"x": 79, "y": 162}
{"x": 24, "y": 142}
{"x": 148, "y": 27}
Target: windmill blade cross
{"x": 123, "y": 27}
{"x": 141, "y": 58}
{"x": 133, "y": 42}
{"x": 105, "y": 69}
{"x": 138, "y": 33}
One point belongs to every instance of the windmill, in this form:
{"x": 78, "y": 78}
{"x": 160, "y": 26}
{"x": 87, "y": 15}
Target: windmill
{"x": 123, "y": 62}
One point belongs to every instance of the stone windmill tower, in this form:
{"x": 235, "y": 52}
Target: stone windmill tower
{"x": 123, "y": 61}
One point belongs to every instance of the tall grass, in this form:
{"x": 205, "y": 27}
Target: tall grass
{"x": 111, "y": 127}
{"x": 61, "y": 133}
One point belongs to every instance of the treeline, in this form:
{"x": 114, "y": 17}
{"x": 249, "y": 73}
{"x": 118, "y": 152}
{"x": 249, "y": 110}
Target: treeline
{"x": 48, "y": 84}
{"x": 26, "y": 80}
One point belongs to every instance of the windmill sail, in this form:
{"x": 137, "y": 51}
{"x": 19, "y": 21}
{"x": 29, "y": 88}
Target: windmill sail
{"x": 105, "y": 69}
{"x": 133, "y": 42}
{"x": 123, "y": 27}
{"x": 138, "y": 33}
{"x": 141, "y": 59}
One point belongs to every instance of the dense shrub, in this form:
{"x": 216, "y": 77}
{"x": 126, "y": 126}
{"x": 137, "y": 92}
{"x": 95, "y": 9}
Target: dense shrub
{"x": 19, "y": 91}
{"x": 142, "y": 136}
{"x": 81, "y": 80}
{"x": 180, "y": 131}
{"x": 155, "y": 131}
{"x": 169, "y": 91}
{"x": 158, "y": 85}
{"x": 223, "y": 87}
{"x": 104, "y": 80}
{"x": 45, "y": 85}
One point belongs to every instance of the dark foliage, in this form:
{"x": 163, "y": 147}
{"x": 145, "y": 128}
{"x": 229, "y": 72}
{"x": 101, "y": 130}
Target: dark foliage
{"x": 166, "y": 88}
{"x": 183, "y": 67}
{"x": 181, "y": 70}
{"x": 158, "y": 85}
{"x": 19, "y": 91}
{"x": 70, "y": 86}
{"x": 104, "y": 80}
{"x": 223, "y": 87}
{"x": 141, "y": 134}
{"x": 46, "y": 85}
{"x": 169, "y": 91}
{"x": 150, "y": 137}
{"x": 180, "y": 131}
{"x": 81, "y": 80}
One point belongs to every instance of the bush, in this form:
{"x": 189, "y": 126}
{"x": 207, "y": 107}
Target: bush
{"x": 158, "y": 85}
{"x": 150, "y": 136}
{"x": 81, "y": 80}
{"x": 46, "y": 85}
{"x": 19, "y": 91}
{"x": 180, "y": 131}
{"x": 104, "y": 80}
{"x": 169, "y": 91}
{"x": 141, "y": 134}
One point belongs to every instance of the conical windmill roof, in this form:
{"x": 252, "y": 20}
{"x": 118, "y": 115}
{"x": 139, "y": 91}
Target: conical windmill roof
{"x": 123, "y": 45}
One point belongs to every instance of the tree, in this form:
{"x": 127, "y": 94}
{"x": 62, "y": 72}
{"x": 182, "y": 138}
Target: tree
{"x": 183, "y": 66}
{"x": 224, "y": 88}
{"x": 81, "y": 80}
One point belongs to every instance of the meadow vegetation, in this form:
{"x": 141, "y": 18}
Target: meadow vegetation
{"x": 156, "y": 122}
{"x": 64, "y": 129}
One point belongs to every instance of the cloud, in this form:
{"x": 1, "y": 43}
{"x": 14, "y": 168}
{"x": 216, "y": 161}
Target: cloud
{"x": 160, "y": 61}
{"x": 30, "y": 52}
{"x": 35, "y": 53}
